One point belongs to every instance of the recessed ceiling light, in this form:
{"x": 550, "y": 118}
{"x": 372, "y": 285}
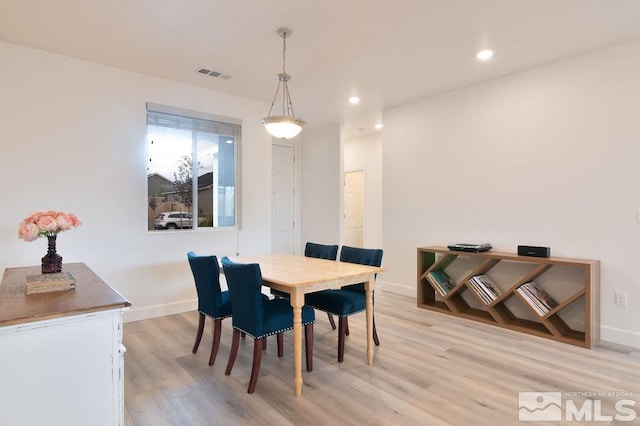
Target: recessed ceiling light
{"x": 354, "y": 100}
{"x": 378, "y": 126}
{"x": 484, "y": 55}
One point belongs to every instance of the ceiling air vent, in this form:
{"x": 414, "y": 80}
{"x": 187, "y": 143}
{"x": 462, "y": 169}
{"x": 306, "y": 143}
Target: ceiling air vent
{"x": 215, "y": 74}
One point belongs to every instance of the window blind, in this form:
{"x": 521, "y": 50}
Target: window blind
{"x": 179, "y": 118}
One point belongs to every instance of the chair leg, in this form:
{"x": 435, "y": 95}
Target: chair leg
{"x": 375, "y": 333}
{"x": 308, "y": 343}
{"x": 243, "y": 334}
{"x": 346, "y": 326}
{"x": 255, "y": 368}
{"x": 342, "y": 325}
{"x": 199, "y": 334}
{"x": 217, "y": 331}
{"x": 280, "y": 339}
{"x": 264, "y": 343}
{"x": 331, "y": 321}
{"x": 235, "y": 342}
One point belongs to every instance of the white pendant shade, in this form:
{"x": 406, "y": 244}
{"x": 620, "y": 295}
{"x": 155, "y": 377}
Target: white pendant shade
{"x": 283, "y": 127}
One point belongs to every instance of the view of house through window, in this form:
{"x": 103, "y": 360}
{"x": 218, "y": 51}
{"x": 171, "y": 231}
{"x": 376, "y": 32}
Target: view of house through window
{"x": 191, "y": 170}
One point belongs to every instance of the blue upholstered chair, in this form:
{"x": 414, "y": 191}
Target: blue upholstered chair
{"x": 259, "y": 317}
{"x": 349, "y": 299}
{"x": 212, "y": 302}
{"x": 319, "y": 251}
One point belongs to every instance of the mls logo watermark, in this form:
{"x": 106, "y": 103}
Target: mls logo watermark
{"x": 540, "y": 406}
{"x": 587, "y": 407}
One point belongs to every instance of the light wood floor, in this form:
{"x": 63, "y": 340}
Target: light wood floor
{"x": 431, "y": 369}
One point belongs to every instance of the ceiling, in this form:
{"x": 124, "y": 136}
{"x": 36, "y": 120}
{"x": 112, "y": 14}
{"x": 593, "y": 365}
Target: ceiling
{"x": 386, "y": 52}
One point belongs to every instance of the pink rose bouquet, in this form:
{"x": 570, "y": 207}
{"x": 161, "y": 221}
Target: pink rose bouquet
{"x": 47, "y": 223}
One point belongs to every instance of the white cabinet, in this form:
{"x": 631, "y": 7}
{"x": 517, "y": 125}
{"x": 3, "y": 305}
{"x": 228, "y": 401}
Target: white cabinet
{"x": 62, "y": 367}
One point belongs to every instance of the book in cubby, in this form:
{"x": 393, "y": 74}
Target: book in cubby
{"x": 485, "y": 288}
{"x": 536, "y": 297}
{"x": 441, "y": 281}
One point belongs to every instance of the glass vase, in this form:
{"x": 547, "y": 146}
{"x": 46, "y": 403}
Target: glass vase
{"x": 52, "y": 261}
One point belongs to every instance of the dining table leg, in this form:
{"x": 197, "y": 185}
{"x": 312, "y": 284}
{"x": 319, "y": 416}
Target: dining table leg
{"x": 297, "y": 301}
{"x": 369, "y": 285}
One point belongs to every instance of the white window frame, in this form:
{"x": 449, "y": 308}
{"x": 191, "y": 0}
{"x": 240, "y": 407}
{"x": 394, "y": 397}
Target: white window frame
{"x": 226, "y": 124}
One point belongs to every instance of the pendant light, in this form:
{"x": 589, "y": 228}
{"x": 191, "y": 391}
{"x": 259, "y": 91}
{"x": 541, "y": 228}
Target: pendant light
{"x": 283, "y": 126}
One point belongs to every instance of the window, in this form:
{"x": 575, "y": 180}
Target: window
{"x": 192, "y": 167}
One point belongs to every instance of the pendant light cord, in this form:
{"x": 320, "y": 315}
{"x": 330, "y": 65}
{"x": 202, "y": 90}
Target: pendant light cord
{"x": 284, "y": 51}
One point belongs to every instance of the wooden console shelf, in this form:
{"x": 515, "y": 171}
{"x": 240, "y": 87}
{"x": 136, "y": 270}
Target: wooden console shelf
{"x": 573, "y": 283}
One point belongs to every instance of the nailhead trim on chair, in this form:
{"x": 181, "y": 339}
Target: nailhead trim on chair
{"x": 215, "y": 318}
{"x": 272, "y": 333}
{"x": 354, "y": 312}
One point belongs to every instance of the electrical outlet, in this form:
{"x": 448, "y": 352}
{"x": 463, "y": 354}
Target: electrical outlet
{"x": 621, "y": 298}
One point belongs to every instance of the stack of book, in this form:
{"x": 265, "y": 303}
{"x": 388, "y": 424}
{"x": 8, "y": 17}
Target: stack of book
{"x": 486, "y": 289}
{"x": 45, "y": 283}
{"x": 537, "y": 298}
{"x": 441, "y": 281}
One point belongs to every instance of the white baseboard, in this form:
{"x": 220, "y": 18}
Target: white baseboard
{"x": 402, "y": 290}
{"x": 620, "y": 336}
{"x": 147, "y": 312}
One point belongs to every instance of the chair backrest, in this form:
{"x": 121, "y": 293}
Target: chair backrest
{"x": 362, "y": 256}
{"x": 245, "y": 285}
{"x": 321, "y": 251}
{"x": 206, "y": 274}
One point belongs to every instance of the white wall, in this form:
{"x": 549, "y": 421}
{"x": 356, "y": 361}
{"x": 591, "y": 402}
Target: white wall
{"x": 321, "y": 189}
{"x": 365, "y": 153}
{"x": 548, "y": 157}
{"x": 73, "y": 139}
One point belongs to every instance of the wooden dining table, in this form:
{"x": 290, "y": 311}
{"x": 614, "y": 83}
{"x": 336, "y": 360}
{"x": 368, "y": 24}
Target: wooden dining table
{"x": 299, "y": 275}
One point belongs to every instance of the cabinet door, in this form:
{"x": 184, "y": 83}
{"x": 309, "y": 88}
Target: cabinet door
{"x": 60, "y": 372}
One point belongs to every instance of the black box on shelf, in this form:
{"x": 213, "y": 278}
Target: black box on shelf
{"x": 534, "y": 251}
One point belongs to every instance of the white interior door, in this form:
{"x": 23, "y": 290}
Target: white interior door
{"x": 354, "y": 208}
{"x": 282, "y": 199}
